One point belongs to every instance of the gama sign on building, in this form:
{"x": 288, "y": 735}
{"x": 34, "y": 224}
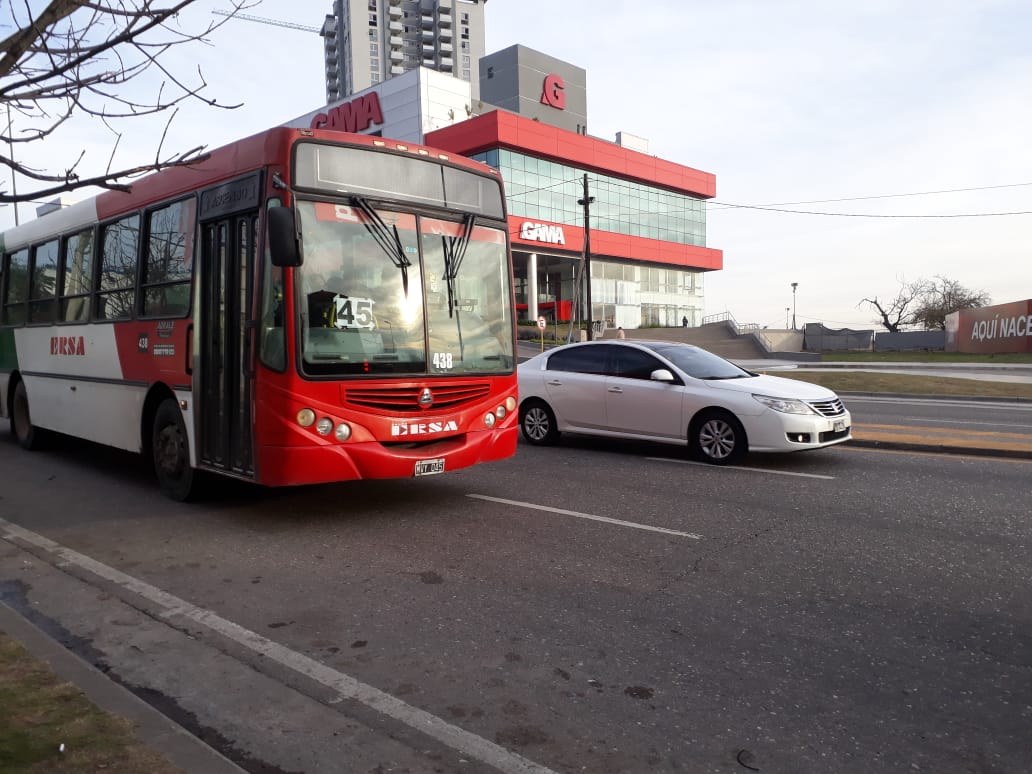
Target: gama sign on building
{"x": 1000, "y": 328}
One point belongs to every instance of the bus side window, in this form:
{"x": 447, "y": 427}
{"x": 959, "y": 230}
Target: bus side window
{"x": 77, "y": 277}
{"x": 16, "y": 291}
{"x": 120, "y": 242}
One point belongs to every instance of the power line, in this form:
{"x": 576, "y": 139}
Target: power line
{"x": 890, "y": 196}
{"x": 870, "y": 215}
{"x": 613, "y": 183}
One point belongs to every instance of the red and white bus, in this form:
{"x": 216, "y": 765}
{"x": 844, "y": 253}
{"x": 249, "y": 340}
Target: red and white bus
{"x": 305, "y": 306}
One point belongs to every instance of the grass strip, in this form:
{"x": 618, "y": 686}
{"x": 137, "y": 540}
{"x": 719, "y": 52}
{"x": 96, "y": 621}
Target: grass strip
{"x": 39, "y": 713}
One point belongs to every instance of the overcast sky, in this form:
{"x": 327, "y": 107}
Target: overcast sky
{"x": 825, "y": 106}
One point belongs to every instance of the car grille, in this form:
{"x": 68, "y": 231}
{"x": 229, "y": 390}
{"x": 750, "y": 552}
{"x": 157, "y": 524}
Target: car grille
{"x": 833, "y": 435}
{"x": 406, "y": 399}
{"x": 828, "y": 408}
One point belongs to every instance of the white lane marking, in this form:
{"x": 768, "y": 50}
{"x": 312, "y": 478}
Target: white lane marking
{"x": 739, "y": 467}
{"x": 346, "y": 686}
{"x": 604, "y": 519}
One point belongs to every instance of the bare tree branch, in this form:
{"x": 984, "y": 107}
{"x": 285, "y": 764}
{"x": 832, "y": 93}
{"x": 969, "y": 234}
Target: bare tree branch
{"x": 899, "y": 312}
{"x": 76, "y": 58}
{"x": 925, "y": 303}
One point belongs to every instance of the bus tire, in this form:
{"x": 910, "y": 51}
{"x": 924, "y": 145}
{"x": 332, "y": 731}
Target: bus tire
{"x": 170, "y": 451}
{"x": 28, "y": 436}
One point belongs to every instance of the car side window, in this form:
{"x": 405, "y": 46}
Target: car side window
{"x": 581, "y": 360}
{"x": 634, "y": 364}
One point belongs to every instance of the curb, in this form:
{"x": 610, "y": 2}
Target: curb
{"x": 153, "y": 729}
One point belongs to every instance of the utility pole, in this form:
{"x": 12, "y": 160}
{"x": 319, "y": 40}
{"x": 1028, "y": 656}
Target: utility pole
{"x": 586, "y": 265}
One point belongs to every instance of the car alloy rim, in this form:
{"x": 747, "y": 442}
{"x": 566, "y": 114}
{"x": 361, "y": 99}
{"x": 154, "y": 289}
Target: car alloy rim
{"x": 536, "y": 424}
{"x": 717, "y": 439}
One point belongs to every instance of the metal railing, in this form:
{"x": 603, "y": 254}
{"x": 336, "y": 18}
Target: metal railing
{"x": 740, "y": 329}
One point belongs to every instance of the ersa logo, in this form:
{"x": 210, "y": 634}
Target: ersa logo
{"x": 399, "y": 429}
{"x": 67, "y": 345}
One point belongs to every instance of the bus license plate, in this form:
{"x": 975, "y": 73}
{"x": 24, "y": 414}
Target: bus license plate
{"x": 429, "y": 467}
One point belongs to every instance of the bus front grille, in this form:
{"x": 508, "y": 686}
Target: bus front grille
{"x": 406, "y": 399}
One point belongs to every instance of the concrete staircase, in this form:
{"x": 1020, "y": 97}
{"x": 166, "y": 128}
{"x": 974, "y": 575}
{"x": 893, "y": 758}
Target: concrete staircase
{"x": 718, "y": 338}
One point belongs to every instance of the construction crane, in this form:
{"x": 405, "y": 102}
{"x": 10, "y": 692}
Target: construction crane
{"x": 262, "y": 20}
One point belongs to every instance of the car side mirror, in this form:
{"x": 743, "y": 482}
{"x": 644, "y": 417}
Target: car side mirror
{"x": 661, "y": 375}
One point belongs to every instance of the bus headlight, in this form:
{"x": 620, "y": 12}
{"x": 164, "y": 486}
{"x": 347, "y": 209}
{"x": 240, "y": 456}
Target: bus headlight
{"x": 306, "y": 417}
{"x": 500, "y": 412}
{"x": 343, "y": 432}
{"x": 510, "y": 404}
{"x": 489, "y": 419}
{"x": 325, "y": 426}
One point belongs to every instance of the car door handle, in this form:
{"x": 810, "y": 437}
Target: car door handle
{"x": 555, "y": 383}
{"x": 615, "y": 389}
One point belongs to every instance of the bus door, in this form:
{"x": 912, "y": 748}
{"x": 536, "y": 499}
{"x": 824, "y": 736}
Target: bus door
{"x": 229, "y": 247}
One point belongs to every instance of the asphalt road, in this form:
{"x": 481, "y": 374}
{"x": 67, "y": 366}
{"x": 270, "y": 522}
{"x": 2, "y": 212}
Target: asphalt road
{"x": 952, "y": 413}
{"x": 600, "y": 607}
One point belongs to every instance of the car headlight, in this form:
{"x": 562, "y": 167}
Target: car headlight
{"x": 785, "y": 405}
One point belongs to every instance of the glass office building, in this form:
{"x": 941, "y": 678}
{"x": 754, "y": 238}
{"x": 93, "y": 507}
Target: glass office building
{"x": 647, "y": 222}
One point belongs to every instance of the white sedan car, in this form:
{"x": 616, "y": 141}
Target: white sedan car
{"x": 673, "y": 393}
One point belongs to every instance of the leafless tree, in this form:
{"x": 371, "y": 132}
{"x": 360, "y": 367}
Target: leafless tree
{"x": 945, "y": 296}
{"x": 925, "y": 303}
{"x": 899, "y": 312}
{"x": 70, "y": 58}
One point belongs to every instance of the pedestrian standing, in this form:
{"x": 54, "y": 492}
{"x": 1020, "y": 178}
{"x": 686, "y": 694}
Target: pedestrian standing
{"x": 684, "y": 321}
{"x": 620, "y": 333}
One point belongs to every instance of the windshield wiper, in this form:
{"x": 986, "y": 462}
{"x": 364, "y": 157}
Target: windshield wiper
{"x": 454, "y": 252}
{"x": 387, "y": 237}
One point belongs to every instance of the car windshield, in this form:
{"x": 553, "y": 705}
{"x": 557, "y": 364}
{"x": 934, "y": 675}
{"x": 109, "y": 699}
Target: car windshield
{"x": 701, "y": 364}
{"x": 384, "y": 292}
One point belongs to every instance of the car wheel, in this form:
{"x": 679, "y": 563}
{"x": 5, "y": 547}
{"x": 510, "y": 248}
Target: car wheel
{"x": 538, "y": 423}
{"x": 170, "y": 450}
{"x": 24, "y": 432}
{"x": 718, "y": 438}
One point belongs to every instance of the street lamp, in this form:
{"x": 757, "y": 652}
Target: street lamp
{"x": 794, "y": 286}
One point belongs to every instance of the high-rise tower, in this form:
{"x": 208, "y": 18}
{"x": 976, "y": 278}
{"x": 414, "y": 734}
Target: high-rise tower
{"x": 370, "y": 41}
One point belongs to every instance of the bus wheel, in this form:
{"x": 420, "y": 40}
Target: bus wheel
{"x": 171, "y": 452}
{"x": 29, "y": 437}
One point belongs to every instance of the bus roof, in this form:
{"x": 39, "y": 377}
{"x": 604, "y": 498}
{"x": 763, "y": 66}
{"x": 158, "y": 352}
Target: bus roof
{"x": 223, "y": 163}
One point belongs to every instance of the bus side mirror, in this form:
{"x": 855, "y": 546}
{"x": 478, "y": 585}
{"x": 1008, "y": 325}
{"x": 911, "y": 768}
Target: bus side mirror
{"x": 283, "y": 237}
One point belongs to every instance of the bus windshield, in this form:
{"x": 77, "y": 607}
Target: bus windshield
{"x": 385, "y": 292}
